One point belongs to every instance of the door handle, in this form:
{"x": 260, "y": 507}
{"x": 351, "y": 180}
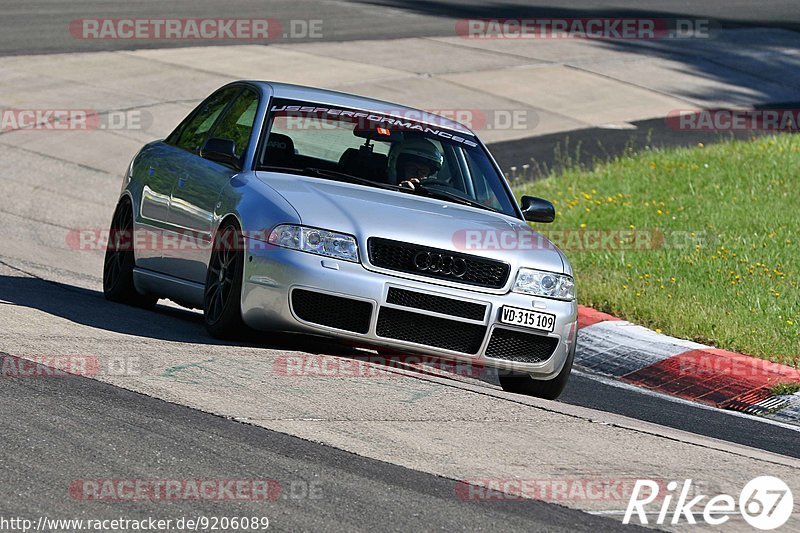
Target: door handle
{"x": 182, "y": 180}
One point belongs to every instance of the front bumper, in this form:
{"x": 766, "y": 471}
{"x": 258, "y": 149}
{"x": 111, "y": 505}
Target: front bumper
{"x": 271, "y": 274}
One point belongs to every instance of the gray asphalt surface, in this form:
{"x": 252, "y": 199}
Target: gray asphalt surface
{"x": 589, "y": 146}
{"x": 588, "y": 392}
{"x": 42, "y": 26}
{"x": 57, "y": 431}
{"x": 167, "y": 323}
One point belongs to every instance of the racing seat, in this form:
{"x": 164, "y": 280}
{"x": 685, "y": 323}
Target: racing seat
{"x": 364, "y": 163}
{"x": 280, "y": 150}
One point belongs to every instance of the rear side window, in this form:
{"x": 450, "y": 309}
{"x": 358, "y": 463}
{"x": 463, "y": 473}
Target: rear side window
{"x": 195, "y": 131}
{"x": 237, "y": 122}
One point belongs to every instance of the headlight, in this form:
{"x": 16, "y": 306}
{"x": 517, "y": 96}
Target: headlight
{"x": 547, "y": 284}
{"x": 315, "y": 241}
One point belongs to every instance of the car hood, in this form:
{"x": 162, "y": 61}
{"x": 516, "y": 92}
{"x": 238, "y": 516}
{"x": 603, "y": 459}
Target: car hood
{"x": 367, "y": 212}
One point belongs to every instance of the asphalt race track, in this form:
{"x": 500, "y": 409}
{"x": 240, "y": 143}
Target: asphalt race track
{"x": 156, "y": 437}
{"x": 25, "y": 23}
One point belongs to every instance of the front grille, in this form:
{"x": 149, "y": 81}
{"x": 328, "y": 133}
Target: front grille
{"x": 430, "y": 331}
{"x": 436, "y": 304}
{"x": 405, "y": 257}
{"x": 520, "y": 347}
{"x": 332, "y": 311}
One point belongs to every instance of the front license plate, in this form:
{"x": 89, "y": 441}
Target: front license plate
{"x": 528, "y": 319}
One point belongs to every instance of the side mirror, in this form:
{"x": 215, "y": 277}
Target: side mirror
{"x": 220, "y": 150}
{"x": 537, "y": 209}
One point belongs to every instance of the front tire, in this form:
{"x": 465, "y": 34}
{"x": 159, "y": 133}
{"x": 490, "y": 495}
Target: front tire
{"x": 223, "y": 293}
{"x": 549, "y": 390}
{"x": 120, "y": 261}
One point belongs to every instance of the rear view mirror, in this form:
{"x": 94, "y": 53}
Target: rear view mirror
{"x": 220, "y": 150}
{"x": 378, "y": 133}
{"x": 537, "y": 209}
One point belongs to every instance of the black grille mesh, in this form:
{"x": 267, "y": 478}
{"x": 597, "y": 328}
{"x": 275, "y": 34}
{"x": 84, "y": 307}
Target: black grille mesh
{"x": 520, "y": 347}
{"x": 436, "y": 304}
{"x": 332, "y": 311}
{"x": 399, "y": 256}
{"x": 430, "y": 331}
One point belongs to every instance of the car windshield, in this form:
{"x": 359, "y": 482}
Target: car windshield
{"x": 383, "y": 149}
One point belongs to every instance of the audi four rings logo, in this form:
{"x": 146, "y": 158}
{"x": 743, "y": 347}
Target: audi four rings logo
{"x": 435, "y": 263}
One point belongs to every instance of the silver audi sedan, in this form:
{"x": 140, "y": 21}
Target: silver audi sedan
{"x": 277, "y": 207}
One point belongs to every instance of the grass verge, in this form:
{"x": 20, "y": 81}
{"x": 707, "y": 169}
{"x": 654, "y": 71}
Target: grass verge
{"x": 783, "y": 389}
{"x": 700, "y": 243}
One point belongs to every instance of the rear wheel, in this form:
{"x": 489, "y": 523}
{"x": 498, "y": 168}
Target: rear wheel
{"x": 525, "y": 384}
{"x": 120, "y": 261}
{"x": 223, "y": 292}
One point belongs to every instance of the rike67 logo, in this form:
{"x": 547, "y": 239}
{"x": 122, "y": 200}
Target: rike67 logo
{"x": 765, "y": 503}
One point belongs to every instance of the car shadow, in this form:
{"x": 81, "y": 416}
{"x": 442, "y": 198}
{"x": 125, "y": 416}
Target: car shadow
{"x": 89, "y": 308}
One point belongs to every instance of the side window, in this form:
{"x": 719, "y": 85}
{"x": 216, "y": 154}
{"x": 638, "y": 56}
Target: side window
{"x": 195, "y": 131}
{"x": 488, "y": 192}
{"x": 237, "y": 123}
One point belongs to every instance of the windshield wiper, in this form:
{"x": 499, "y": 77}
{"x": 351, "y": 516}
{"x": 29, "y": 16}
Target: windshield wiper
{"x": 332, "y": 174}
{"x": 343, "y": 176}
{"x": 444, "y": 195}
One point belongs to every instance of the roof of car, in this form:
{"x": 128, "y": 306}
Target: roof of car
{"x": 329, "y": 97}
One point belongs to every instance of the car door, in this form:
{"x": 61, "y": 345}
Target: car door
{"x": 151, "y": 217}
{"x": 166, "y": 163}
{"x": 198, "y": 187}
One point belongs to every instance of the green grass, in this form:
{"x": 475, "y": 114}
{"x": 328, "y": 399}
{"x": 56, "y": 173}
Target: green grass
{"x": 782, "y": 389}
{"x": 727, "y": 270}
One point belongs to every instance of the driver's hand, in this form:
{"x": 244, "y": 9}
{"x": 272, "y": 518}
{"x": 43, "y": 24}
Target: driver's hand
{"x": 413, "y": 184}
